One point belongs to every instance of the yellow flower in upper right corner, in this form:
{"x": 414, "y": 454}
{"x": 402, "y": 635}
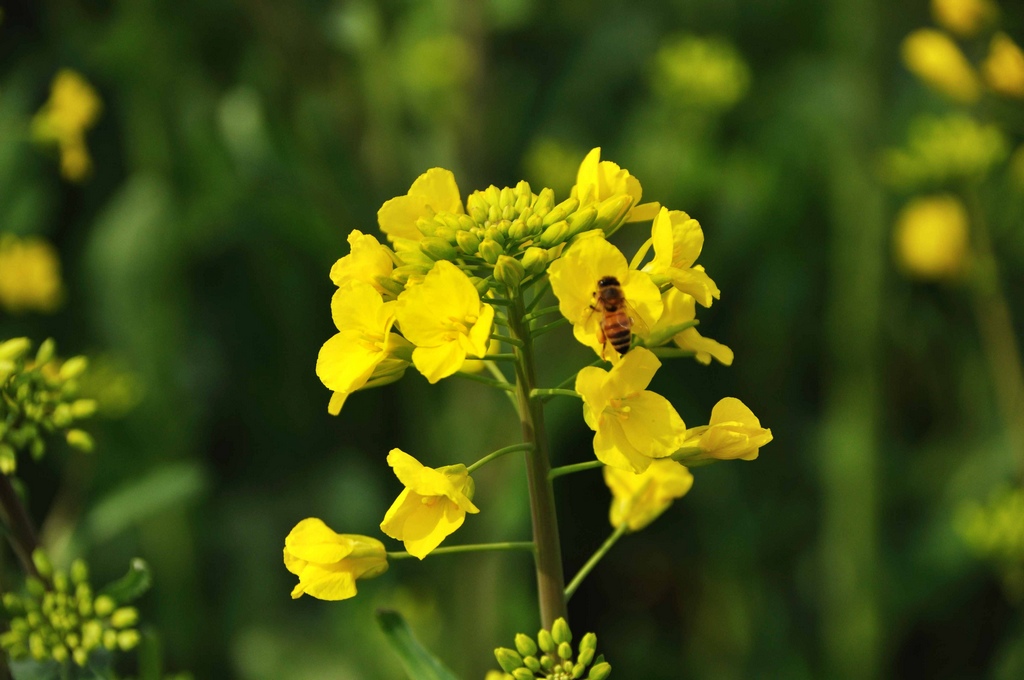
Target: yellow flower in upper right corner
{"x": 73, "y": 108}
{"x": 638, "y": 499}
{"x": 434, "y": 191}
{"x": 733, "y": 432}
{"x": 964, "y": 17}
{"x": 933, "y": 57}
{"x": 29, "y": 275}
{"x": 931, "y": 238}
{"x": 432, "y": 506}
{"x": 598, "y": 181}
{"x": 678, "y": 240}
{"x": 327, "y": 563}
{"x": 633, "y": 425}
{"x": 1004, "y": 67}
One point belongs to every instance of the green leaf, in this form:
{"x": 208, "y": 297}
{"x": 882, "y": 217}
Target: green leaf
{"x": 28, "y": 669}
{"x": 419, "y": 664}
{"x": 132, "y": 585}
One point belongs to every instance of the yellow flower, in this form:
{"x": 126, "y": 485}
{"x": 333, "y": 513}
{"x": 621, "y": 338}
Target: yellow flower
{"x": 367, "y": 261}
{"x": 963, "y": 17}
{"x": 432, "y": 506}
{"x": 638, "y": 499}
{"x": 327, "y": 563}
{"x": 598, "y": 181}
{"x": 678, "y": 240}
{"x": 72, "y": 109}
{"x": 444, "y": 318}
{"x": 633, "y": 426}
{"x": 734, "y": 432}
{"x": 931, "y": 237}
{"x": 364, "y": 348}
{"x": 679, "y": 309}
{"x": 934, "y": 58}
{"x": 574, "y": 278}
{"x": 434, "y": 191}
{"x": 1004, "y": 67}
{"x": 944, "y": 148}
{"x": 29, "y": 275}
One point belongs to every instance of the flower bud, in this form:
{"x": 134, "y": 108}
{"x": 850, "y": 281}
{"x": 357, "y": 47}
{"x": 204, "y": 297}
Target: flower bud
{"x": 534, "y": 260}
{"x": 611, "y": 212}
{"x": 79, "y": 572}
{"x": 508, "y": 659}
{"x": 554, "y": 234}
{"x": 73, "y": 367}
{"x": 437, "y": 248}
{"x": 600, "y": 672}
{"x": 8, "y": 461}
{"x": 104, "y": 605}
{"x": 390, "y": 285}
{"x": 545, "y": 641}
{"x": 578, "y": 670}
{"x": 588, "y": 646}
{"x": 81, "y": 656}
{"x": 525, "y": 644}
{"x": 468, "y": 242}
{"x": 128, "y": 639}
{"x": 582, "y": 219}
{"x": 532, "y": 663}
{"x": 518, "y": 230}
{"x": 15, "y": 348}
{"x": 446, "y": 234}
{"x": 507, "y": 198}
{"x": 560, "y": 632}
{"x": 81, "y": 440}
{"x": 83, "y": 408}
{"x": 495, "y": 233}
{"x": 124, "y": 617}
{"x": 523, "y": 674}
{"x": 545, "y": 201}
{"x": 509, "y": 271}
{"x": 410, "y": 271}
{"x": 490, "y": 250}
{"x": 42, "y": 562}
{"x": 46, "y": 351}
{"x": 561, "y": 211}
{"x": 565, "y": 650}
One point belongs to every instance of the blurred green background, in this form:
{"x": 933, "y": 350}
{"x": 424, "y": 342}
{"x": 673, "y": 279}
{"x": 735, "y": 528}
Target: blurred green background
{"x": 239, "y": 144}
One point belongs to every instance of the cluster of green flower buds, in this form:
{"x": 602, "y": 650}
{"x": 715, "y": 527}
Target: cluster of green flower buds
{"x": 512, "y": 230}
{"x": 39, "y": 396}
{"x": 63, "y": 619}
{"x": 551, "y": 656}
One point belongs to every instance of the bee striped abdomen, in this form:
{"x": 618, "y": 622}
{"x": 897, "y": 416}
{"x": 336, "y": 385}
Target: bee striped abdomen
{"x": 618, "y": 331}
{"x": 616, "y": 325}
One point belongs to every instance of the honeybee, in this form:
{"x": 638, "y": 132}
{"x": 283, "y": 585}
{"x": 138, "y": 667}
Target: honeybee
{"x": 618, "y": 317}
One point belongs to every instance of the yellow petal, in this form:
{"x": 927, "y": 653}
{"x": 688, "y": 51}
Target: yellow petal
{"x": 704, "y": 348}
{"x": 325, "y": 584}
{"x": 313, "y": 541}
{"x": 612, "y": 447}
{"x": 653, "y": 426}
{"x": 634, "y": 373}
{"x": 434, "y": 191}
{"x": 438, "y": 362}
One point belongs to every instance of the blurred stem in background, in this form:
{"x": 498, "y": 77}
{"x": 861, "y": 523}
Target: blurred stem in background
{"x": 849, "y": 454}
{"x": 995, "y": 325}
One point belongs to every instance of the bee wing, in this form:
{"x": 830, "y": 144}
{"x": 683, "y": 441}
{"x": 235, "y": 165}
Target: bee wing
{"x": 640, "y": 326}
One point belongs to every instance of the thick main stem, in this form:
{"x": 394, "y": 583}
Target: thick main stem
{"x": 548, "y": 558}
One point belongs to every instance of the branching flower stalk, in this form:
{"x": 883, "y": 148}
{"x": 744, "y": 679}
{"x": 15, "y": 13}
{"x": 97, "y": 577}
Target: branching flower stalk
{"x": 463, "y": 288}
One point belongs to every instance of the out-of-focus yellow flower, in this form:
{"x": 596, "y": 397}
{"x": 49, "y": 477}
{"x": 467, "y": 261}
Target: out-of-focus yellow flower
{"x": 328, "y": 564}
{"x": 678, "y": 240}
{"x": 367, "y": 261}
{"x": 934, "y": 58}
{"x": 72, "y": 109}
{"x": 633, "y": 425}
{"x": 945, "y": 148}
{"x": 679, "y": 309}
{"x": 734, "y": 432}
{"x": 434, "y": 191}
{"x": 996, "y": 529}
{"x": 29, "y": 275}
{"x": 364, "y": 348}
{"x": 574, "y": 278}
{"x": 705, "y": 73}
{"x": 605, "y": 183}
{"x": 638, "y": 499}
{"x": 1004, "y": 67}
{"x": 444, "y": 318}
{"x": 432, "y": 506}
{"x": 931, "y": 237}
{"x": 964, "y": 17}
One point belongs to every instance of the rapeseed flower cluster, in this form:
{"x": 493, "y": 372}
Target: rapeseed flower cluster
{"x": 29, "y": 275}
{"x": 551, "y": 656}
{"x": 73, "y": 108}
{"x": 934, "y": 55}
{"x": 64, "y": 620}
{"x": 39, "y": 396}
{"x": 453, "y": 284}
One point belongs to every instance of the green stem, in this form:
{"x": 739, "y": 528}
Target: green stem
{"x": 505, "y": 338}
{"x": 548, "y": 557}
{"x": 537, "y": 332}
{"x": 543, "y": 311}
{"x": 538, "y": 296}
{"x": 21, "y": 534}
{"x": 475, "y": 547}
{"x": 671, "y": 353}
{"x": 502, "y": 357}
{"x": 594, "y": 559}
{"x": 498, "y": 454}
{"x": 576, "y": 467}
{"x": 556, "y": 392}
{"x": 486, "y": 381}
{"x": 571, "y": 380}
